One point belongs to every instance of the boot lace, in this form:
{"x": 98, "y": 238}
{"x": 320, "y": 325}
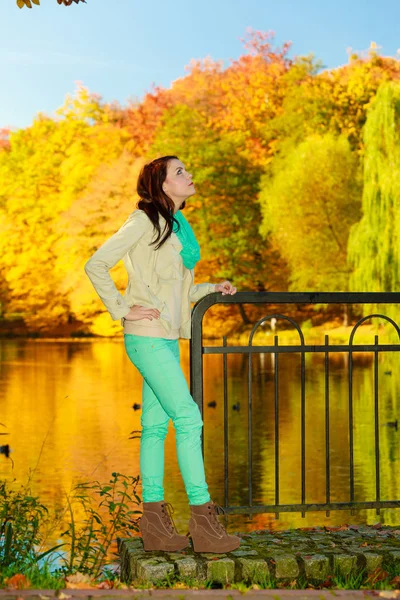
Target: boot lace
{"x": 214, "y": 510}
{"x": 166, "y": 515}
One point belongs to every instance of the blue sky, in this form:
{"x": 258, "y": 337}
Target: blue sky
{"x": 119, "y": 48}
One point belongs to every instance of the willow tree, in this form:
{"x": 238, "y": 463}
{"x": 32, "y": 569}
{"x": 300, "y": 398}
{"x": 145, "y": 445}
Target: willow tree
{"x": 373, "y": 247}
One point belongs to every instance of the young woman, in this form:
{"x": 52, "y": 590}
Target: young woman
{"x": 155, "y": 312}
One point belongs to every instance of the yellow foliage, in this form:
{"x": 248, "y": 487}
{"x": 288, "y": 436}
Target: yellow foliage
{"x": 102, "y": 325}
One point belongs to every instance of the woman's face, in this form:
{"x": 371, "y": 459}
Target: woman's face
{"x": 178, "y": 184}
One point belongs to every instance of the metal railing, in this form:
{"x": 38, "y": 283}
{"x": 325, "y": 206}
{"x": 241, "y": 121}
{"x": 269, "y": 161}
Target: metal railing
{"x": 197, "y": 350}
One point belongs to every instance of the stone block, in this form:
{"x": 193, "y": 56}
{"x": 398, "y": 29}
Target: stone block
{"x": 172, "y": 556}
{"x": 254, "y": 570}
{"x": 262, "y": 538}
{"x": 344, "y": 564}
{"x": 372, "y": 561}
{"x": 187, "y": 567}
{"x": 285, "y": 566}
{"x": 134, "y": 542}
{"x": 244, "y": 553}
{"x": 221, "y": 571}
{"x": 150, "y": 570}
{"x": 130, "y": 552}
{"x": 316, "y": 566}
{"x": 395, "y": 558}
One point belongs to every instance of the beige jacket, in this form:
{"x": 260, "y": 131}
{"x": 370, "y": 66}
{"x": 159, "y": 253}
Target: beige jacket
{"x": 150, "y": 273}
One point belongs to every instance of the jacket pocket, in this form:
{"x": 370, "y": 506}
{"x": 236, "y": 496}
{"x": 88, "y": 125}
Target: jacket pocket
{"x": 168, "y": 265}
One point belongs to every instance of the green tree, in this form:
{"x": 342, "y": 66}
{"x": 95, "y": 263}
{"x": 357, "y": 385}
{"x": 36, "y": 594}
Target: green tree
{"x": 224, "y": 212}
{"x": 308, "y": 204}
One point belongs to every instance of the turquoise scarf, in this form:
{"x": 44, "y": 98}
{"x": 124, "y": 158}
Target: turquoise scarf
{"x": 191, "y": 249}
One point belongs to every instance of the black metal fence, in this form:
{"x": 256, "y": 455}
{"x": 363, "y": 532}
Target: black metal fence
{"x": 197, "y": 350}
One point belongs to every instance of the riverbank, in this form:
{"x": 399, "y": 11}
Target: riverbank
{"x": 338, "y": 334}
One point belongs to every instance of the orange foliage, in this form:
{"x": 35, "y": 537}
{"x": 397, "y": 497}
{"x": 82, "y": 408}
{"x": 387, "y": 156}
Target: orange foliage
{"x": 17, "y": 582}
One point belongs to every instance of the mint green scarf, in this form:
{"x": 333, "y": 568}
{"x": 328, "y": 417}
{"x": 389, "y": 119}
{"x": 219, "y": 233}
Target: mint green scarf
{"x": 191, "y": 249}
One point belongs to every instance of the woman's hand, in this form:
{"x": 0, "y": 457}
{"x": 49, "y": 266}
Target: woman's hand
{"x": 138, "y": 312}
{"x": 226, "y": 288}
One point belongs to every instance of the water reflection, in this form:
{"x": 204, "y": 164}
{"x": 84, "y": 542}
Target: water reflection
{"x": 68, "y": 409}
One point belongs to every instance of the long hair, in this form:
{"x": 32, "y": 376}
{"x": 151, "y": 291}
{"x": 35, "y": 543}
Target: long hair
{"x": 153, "y": 200}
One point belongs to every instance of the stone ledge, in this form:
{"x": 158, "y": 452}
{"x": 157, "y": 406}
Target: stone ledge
{"x": 312, "y": 555}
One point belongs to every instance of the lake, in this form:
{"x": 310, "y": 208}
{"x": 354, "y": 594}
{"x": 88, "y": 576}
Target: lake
{"x": 67, "y": 407}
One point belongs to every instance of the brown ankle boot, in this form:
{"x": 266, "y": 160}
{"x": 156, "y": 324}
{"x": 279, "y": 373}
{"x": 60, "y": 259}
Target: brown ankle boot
{"x": 158, "y": 530}
{"x": 208, "y": 535}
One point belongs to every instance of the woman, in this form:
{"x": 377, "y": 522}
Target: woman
{"x": 155, "y": 312}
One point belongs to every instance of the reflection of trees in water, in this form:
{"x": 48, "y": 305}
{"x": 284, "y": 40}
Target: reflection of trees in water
{"x": 263, "y": 440}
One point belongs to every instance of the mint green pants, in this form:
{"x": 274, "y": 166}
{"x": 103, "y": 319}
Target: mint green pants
{"x": 165, "y": 396}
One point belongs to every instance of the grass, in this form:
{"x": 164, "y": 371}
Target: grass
{"x": 39, "y": 577}
{"x": 379, "y": 580}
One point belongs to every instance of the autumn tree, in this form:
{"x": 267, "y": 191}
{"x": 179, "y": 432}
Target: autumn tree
{"x": 29, "y": 3}
{"x": 331, "y": 100}
{"x": 92, "y": 218}
{"x": 47, "y": 166}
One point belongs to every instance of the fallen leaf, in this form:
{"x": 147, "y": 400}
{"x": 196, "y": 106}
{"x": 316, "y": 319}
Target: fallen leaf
{"x": 396, "y": 581}
{"x": 377, "y": 526}
{"x": 78, "y": 578}
{"x": 17, "y": 582}
{"x": 79, "y": 586}
{"x": 364, "y": 544}
{"x": 327, "y": 583}
{"x": 377, "y": 575}
{"x": 105, "y": 585}
{"x": 79, "y": 581}
{"x": 179, "y": 585}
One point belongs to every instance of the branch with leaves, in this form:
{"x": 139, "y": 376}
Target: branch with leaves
{"x": 28, "y": 3}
